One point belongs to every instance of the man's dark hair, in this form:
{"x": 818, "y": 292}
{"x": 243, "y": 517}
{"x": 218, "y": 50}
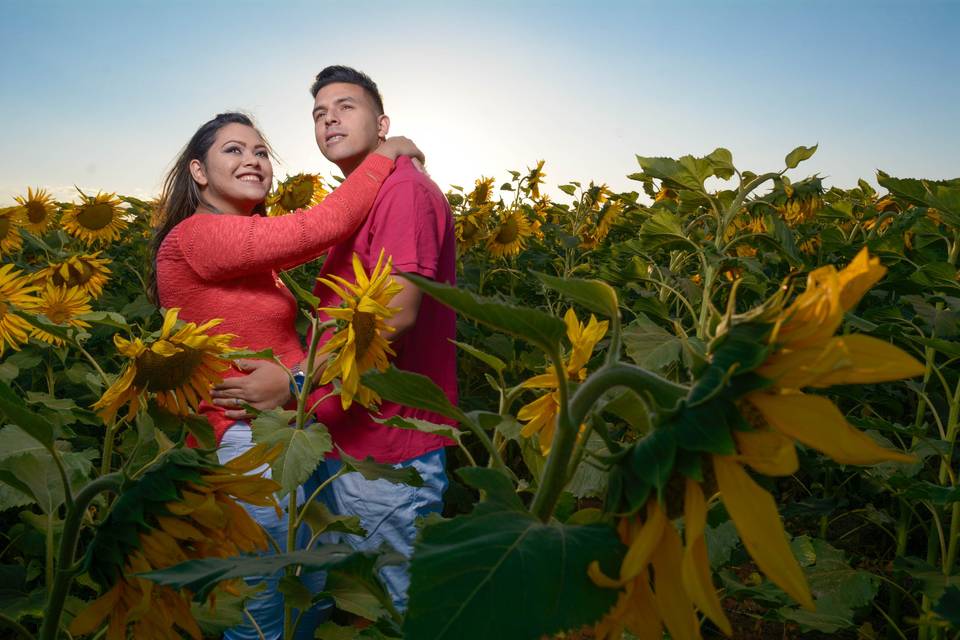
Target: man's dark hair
{"x": 339, "y": 73}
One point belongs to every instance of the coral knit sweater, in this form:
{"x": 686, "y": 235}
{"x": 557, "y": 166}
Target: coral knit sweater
{"x": 224, "y": 266}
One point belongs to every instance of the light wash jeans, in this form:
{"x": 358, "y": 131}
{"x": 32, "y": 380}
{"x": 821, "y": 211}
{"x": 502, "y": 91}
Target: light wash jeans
{"x": 387, "y": 511}
{"x": 266, "y": 606}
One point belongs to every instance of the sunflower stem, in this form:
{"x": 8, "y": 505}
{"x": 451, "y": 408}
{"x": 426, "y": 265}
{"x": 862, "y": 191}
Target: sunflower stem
{"x": 105, "y": 461}
{"x": 50, "y": 628}
{"x": 555, "y": 473}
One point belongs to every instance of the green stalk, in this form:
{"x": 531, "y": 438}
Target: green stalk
{"x": 50, "y": 628}
{"x": 895, "y": 602}
{"x": 570, "y": 418}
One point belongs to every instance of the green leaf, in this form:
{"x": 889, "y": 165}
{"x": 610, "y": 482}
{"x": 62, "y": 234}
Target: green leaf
{"x": 372, "y": 470}
{"x": 706, "y": 427}
{"x": 497, "y": 487}
{"x": 35, "y": 473}
{"x": 568, "y": 189}
{"x": 589, "y": 481}
{"x": 303, "y": 449}
{"x": 107, "y": 319}
{"x": 304, "y": 296}
{"x": 651, "y": 346}
{"x": 18, "y": 413}
{"x": 295, "y": 592}
{"x": 413, "y": 390}
{"x": 530, "y": 324}
{"x": 595, "y": 295}
{"x": 839, "y": 590}
{"x": 664, "y": 231}
{"x": 653, "y": 456}
{"x": 423, "y": 426}
{"x": 948, "y": 607}
{"x": 689, "y": 172}
{"x": 495, "y": 363}
{"x": 202, "y": 576}
{"x": 355, "y": 586}
{"x": 14, "y": 441}
{"x": 504, "y": 574}
{"x": 628, "y": 406}
{"x": 721, "y": 541}
{"x": 320, "y": 519}
{"x": 798, "y": 155}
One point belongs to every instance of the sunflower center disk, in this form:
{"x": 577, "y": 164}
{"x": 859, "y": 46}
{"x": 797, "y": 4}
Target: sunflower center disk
{"x": 365, "y": 330}
{"x": 469, "y": 229}
{"x": 58, "y": 314}
{"x": 36, "y": 212}
{"x": 95, "y": 216}
{"x": 297, "y": 197}
{"x": 165, "y": 373}
{"x": 508, "y": 232}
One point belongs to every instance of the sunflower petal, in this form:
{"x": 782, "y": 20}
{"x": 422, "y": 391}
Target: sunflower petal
{"x": 870, "y": 360}
{"x": 816, "y": 422}
{"x": 695, "y": 567}
{"x": 672, "y": 601}
{"x": 643, "y": 546}
{"x": 757, "y": 520}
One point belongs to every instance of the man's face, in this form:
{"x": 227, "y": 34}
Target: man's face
{"x": 347, "y": 124}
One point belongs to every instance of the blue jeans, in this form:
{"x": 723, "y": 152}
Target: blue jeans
{"x": 266, "y": 606}
{"x": 387, "y": 511}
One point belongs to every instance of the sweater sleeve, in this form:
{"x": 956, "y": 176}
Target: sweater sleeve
{"x": 224, "y": 247}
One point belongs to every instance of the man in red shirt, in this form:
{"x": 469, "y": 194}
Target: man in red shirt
{"x": 411, "y": 222}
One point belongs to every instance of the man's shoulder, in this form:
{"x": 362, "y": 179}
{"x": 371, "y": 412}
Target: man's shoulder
{"x": 407, "y": 179}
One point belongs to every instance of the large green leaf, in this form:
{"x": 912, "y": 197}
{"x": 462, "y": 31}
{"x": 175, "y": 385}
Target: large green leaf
{"x": 35, "y": 474}
{"x": 664, "y": 231}
{"x": 423, "y": 426}
{"x": 798, "y": 155}
{"x": 943, "y": 195}
{"x": 372, "y": 470}
{"x": 320, "y": 519}
{"x": 595, "y": 295}
{"x": 413, "y": 390}
{"x": 303, "y": 449}
{"x": 201, "y": 576}
{"x": 650, "y": 346}
{"x": 495, "y": 363}
{"x": 355, "y": 586}
{"x": 503, "y": 574}
{"x": 838, "y": 589}
{"x": 689, "y": 172}
{"x": 17, "y": 412}
{"x": 530, "y": 324}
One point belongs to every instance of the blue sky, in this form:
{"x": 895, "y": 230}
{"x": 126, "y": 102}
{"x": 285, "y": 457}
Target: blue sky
{"x": 103, "y": 94}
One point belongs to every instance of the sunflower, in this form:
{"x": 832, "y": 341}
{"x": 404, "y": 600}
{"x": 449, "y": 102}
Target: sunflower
{"x": 535, "y": 179}
{"x": 800, "y": 209}
{"x": 469, "y": 231}
{"x": 359, "y": 343}
{"x": 541, "y": 414}
{"x": 597, "y": 195}
{"x": 88, "y": 271}
{"x": 178, "y": 367}
{"x": 95, "y": 219}
{"x": 301, "y": 191}
{"x": 146, "y": 531}
{"x": 801, "y": 352}
{"x": 10, "y": 239}
{"x": 15, "y": 293}
{"x": 665, "y": 193}
{"x": 61, "y": 305}
{"x": 510, "y": 235}
{"x": 36, "y": 210}
{"x": 482, "y": 192}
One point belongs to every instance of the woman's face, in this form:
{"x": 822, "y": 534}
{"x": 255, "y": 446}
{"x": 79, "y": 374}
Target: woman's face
{"x": 236, "y": 174}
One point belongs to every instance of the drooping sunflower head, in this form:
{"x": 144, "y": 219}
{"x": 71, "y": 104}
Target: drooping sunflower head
{"x": 301, "y": 191}
{"x": 10, "y": 239}
{"x": 510, "y": 235}
{"x": 177, "y": 367}
{"x": 37, "y": 210}
{"x": 61, "y": 306}
{"x": 469, "y": 231}
{"x": 359, "y": 343}
{"x": 535, "y": 178}
{"x": 95, "y": 219}
{"x": 800, "y": 202}
{"x": 597, "y": 195}
{"x": 16, "y": 293}
{"x": 87, "y": 271}
{"x": 184, "y": 508}
{"x": 482, "y": 192}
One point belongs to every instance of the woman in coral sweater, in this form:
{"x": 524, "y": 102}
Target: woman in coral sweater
{"x": 214, "y": 257}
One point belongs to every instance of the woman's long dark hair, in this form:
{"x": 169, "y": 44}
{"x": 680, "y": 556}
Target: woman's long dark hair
{"x": 181, "y": 195}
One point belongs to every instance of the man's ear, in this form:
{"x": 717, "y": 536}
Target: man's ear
{"x": 383, "y": 125}
{"x": 197, "y": 172}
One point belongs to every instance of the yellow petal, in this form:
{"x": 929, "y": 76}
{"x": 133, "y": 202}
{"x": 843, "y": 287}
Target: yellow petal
{"x": 643, "y": 619}
{"x": 757, "y": 520}
{"x": 816, "y": 422}
{"x": 766, "y": 451}
{"x": 642, "y": 547}
{"x": 169, "y": 320}
{"x": 672, "y": 601}
{"x": 88, "y": 620}
{"x": 870, "y": 360}
{"x": 858, "y": 277}
{"x": 695, "y": 569}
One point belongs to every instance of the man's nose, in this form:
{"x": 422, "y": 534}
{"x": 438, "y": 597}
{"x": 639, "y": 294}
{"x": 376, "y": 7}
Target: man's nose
{"x": 330, "y": 118}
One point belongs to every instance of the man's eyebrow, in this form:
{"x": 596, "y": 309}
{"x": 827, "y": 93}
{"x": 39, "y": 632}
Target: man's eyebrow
{"x": 321, "y": 107}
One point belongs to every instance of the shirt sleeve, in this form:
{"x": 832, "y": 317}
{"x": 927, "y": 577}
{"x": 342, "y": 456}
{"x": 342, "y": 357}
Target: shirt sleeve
{"x": 408, "y": 228}
{"x": 224, "y": 247}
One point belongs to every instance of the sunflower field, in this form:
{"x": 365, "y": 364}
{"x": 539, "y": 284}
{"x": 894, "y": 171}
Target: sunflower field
{"x": 724, "y": 404}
